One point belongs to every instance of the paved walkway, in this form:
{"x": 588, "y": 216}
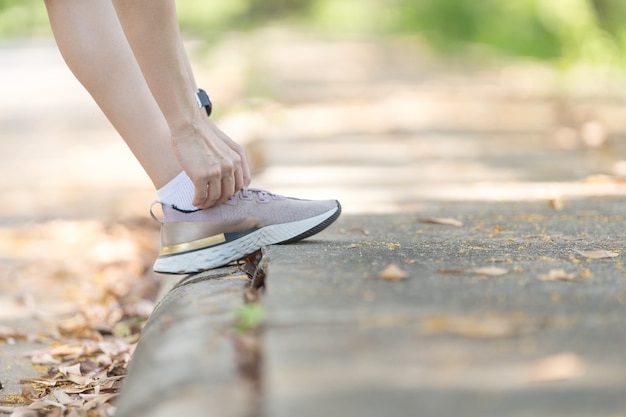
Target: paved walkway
{"x": 502, "y": 316}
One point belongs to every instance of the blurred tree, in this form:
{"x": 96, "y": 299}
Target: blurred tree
{"x": 272, "y": 9}
{"x": 568, "y": 30}
{"x": 561, "y": 30}
{"x": 23, "y": 18}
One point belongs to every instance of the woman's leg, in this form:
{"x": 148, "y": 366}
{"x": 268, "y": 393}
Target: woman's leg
{"x": 94, "y": 47}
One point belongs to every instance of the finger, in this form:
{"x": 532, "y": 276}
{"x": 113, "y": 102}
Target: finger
{"x": 245, "y": 171}
{"x": 200, "y": 195}
{"x": 239, "y": 181}
{"x": 228, "y": 189}
{"x": 240, "y": 150}
{"x": 215, "y": 192}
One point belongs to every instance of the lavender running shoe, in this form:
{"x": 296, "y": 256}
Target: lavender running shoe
{"x": 193, "y": 241}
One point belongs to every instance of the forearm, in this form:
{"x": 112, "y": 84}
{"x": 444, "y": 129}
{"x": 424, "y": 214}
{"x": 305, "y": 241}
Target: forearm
{"x": 152, "y": 30}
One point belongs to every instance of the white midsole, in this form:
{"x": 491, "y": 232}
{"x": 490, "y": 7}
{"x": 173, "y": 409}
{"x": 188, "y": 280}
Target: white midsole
{"x": 220, "y": 255}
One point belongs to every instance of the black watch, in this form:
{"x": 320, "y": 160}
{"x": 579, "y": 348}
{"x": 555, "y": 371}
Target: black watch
{"x": 204, "y": 101}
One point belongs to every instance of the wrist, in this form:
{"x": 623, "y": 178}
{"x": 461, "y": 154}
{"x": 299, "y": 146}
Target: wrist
{"x": 186, "y": 124}
{"x": 186, "y": 127}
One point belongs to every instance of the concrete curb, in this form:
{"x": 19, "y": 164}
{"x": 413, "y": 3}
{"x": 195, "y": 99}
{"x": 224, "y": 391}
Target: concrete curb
{"x": 185, "y": 363}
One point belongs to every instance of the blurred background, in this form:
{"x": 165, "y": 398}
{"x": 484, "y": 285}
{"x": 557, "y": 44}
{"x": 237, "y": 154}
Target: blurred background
{"x": 382, "y": 104}
{"x": 378, "y": 102}
{"x": 563, "y": 31}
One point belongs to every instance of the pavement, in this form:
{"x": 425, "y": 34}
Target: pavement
{"x": 481, "y": 325}
{"x": 495, "y": 194}
{"x": 187, "y": 362}
{"x": 512, "y": 309}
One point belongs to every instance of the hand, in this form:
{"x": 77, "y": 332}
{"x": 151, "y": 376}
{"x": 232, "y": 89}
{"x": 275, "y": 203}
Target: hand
{"x": 239, "y": 150}
{"x": 216, "y": 164}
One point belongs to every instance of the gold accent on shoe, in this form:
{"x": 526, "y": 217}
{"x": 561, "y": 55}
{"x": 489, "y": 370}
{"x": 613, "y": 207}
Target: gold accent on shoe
{"x": 190, "y": 246}
{"x": 175, "y": 233}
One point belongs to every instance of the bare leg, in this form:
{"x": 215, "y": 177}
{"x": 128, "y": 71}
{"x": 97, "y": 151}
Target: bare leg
{"x": 93, "y": 45}
{"x": 151, "y": 28}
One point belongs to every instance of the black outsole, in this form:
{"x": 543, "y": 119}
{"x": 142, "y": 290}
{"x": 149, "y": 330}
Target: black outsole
{"x": 315, "y": 229}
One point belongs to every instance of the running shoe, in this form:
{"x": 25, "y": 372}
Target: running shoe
{"x": 194, "y": 241}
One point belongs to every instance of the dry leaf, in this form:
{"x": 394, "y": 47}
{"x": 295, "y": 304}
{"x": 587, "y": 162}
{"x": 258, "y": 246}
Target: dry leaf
{"x": 62, "y": 397}
{"x": 70, "y": 370}
{"x": 7, "y": 333}
{"x": 452, "y": 271}
{"x": 492, "y": 271}
{"x": 597, "y": 254}
{"x": 43, "y": 358}
{"x": 24, "y": 412}
{"x": 474, "y": 327}
{"x": 40, "y": 381}
{"x": 97, "y": 399}
{"x": 599, "y": 178}
{"x": 556, "y": 204}
{"x": 441, "y": 220}
{"x": 392, "y": 273}
{"x": 557, "y": 368}
{"x": 557, "y": 275}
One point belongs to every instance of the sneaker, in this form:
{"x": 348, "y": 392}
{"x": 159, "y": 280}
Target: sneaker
{"x": 193, "y": 241}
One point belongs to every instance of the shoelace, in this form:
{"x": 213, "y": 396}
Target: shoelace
{"x": 261, "y": 195}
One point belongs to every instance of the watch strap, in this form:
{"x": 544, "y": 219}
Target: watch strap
{"x": 204, "y": 101}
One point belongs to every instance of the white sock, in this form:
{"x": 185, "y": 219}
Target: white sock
{"x": 178, "y": 192}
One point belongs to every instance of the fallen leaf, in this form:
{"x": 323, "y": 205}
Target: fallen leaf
{"x": 492, "y": 271}
{"x": 597, "y": 254}
{"x": 557, "y": 275}
{"x": 559, "y": 367}
{"x": 44, "y": 358}
{"x": 62, "y": 397}
{"x": 599, "y": 178}
{"x": 7, "y": 333}
{"x": 359, "y": 230}
{"x": 24, "y": 412}
{"x": 97, "y": 399}
{"x": 70, "y": 370}
{"x": 442, "y": 220}
{"x": 41, "y": 381}
{"x": 393, "y": 273}
{"x": 28, "y": 392}
{"x": 556, "y": 204}
{"x": 473, "y": 327}
{"x": 452, "y": 270}
{"x": 79, "y": 379}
